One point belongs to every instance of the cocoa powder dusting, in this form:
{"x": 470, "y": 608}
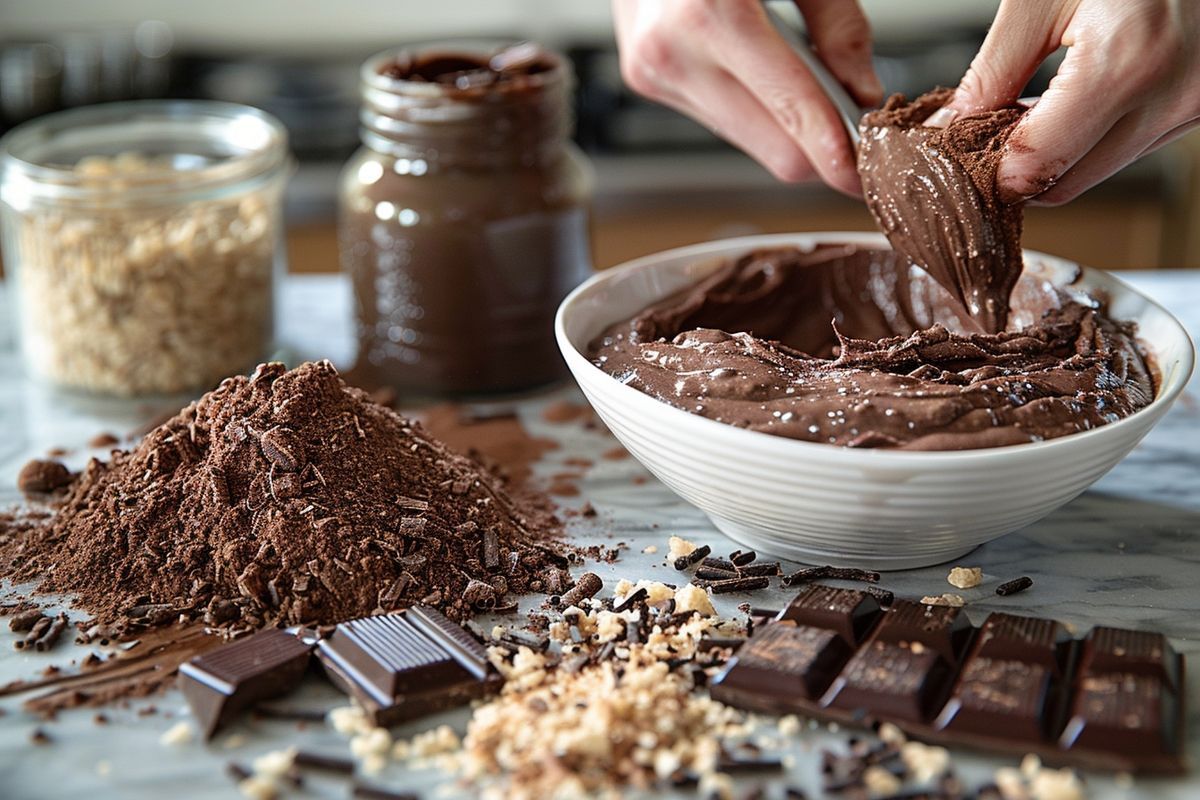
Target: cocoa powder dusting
{"x": 284, "y": 498}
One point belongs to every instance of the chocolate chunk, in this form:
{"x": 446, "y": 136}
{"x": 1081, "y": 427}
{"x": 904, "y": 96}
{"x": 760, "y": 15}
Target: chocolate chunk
{"x": 43, "y": 477}
{"x": 406, "y": 665}
{"x": 848, "y": 612}
{"x": 219, "y": 684}
{"x": 1002, "y": 697}
{"x": 714, "y": 574}
{"x": 1014, "y": 586}
{"x": 1116, "y": 650}
{"x": 1011, "y": 684}
{"x": 783, "y": 660}
{"x": 747, "y": 584}
{"x": 388, "y": 656}
{"x": 943, "y": 629}
{"x": 903, "y": 681}
{"x": 719, "y": 563}
{"x": 740, "y": 558}
{"x": 457, "y": 640}
{"x": 1121, "y": 712}
{"x": 685, "y": 561}
{"x": 365, "y": 792}
{"x": 1029, "y": 639}
{"x": 1127, "y": 697}
{"x": 588, "y": 585}
{"x": 634, "y": 597}
{"x": 769, "y": 568}
{"x": 306, "y": 759}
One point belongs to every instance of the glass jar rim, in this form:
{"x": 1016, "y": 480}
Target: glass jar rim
{"x": 372, "y": 77}
{"x": 255, "y": 145}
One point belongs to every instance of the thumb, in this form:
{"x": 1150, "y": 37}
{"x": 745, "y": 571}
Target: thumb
{"x": 1023, "y": 34}
{"x": 841, "y": 36}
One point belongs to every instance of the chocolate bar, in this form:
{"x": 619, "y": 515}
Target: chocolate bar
{"x": 408, "y": 664}
{"x": 1113, "y": 701}
{"x": 220, "y": 683}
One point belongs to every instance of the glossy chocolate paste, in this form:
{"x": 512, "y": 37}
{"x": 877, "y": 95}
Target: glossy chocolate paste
{"x": 464, "y": 220}
{"x": 933, "y": 193}
{"x": 752, "y": 346}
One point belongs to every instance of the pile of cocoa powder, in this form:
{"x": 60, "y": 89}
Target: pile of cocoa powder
{"x": 286, "y": 498}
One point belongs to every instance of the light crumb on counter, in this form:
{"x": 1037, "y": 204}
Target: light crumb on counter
{"x": 178, "y": 734}
{"x": 924, "y": 762}
{"x": 275, "y": 764}
{"x": 965, "y": 577}
{"x": 881, "y": 782}
{"x": 678, "y": 548}
{"x": 947, "y": 599}
{"x": 349, "y": 720}
{"x": 650, "y": 549}
{"x": 890, "y": 734}
{"x": 258, "y": 788}
{"x": 691, "y": 597}
{"x": 788, "y": 725}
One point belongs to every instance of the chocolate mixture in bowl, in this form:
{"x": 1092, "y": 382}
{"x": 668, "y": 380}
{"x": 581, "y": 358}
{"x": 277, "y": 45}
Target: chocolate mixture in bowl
{"x": 933, "y": 192}
{"x": 285, "y": 498}
{"x": 752, "y": 346}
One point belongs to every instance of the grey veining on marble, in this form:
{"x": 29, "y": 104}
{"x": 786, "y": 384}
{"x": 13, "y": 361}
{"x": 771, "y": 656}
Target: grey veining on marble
{"x": 1127, "y": 552}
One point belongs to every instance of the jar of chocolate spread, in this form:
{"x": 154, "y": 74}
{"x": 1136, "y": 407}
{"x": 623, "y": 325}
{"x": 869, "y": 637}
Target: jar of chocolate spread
{"x": 463, "y": 218}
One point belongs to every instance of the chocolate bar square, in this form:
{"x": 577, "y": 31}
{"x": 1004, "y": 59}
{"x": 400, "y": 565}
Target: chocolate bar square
{"x": 405, "y": 665}
{"x": 848, "y": 612}
{"x": 785, "y": 660}
{"x": 220, "y": 683}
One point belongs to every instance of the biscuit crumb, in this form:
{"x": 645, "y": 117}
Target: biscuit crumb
{"x": 178, "y": 734}
{"x": 691, "y": 597}
{"x": 650, "y": 549}
{"x": 678, "y": 548}
{"x": 275, "y": 764}
{"x": 947, "y": 599}
{"x": 880, "y": 782}
{"x": 257, "y": 788}
{"x": 965, "y": 577}
{"x": 924, "y": 761}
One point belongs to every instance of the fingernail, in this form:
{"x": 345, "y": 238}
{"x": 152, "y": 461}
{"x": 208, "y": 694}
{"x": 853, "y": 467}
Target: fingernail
{"x": 941, "y": 118}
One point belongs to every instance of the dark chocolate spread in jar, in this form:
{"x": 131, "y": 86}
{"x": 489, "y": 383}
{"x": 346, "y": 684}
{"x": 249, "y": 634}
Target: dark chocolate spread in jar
{"x": 463, "y": 218}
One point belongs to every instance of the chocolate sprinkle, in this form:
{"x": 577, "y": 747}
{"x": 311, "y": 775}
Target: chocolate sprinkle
{"x": 1014, "y": 586}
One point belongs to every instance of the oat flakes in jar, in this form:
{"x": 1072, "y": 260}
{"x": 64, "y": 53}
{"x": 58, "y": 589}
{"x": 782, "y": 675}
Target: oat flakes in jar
{"x": 141, "y": 242}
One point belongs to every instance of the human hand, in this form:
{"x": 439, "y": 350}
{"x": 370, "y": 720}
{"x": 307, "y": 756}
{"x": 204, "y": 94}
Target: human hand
{"x": 723, "y": 63}
{"x": 1130, "y": 83}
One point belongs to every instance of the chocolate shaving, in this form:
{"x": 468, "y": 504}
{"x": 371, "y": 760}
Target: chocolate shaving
{"x": 683, "y": 562}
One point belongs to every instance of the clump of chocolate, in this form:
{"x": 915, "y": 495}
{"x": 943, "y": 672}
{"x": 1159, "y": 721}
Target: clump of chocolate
{"x": 282, "y": 498}
{"x": 933, "y": 192}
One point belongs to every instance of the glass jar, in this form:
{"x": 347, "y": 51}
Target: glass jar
{"x": 463, "y": 219}
{"x": 141, "y": 240}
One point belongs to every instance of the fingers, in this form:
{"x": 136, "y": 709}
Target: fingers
{"x": 719, "y": 100}
{"x": 842, "y": 37}
{"x": 725, "y": 64}
{"x": 1023, "y": 34}
{"x": 1171, "y": 135}
{"x": 1133, "y": 136}
{"x": 1068, "y": 121}
{"x": 778, "y": 79}
{"x": 1112, "y": 98}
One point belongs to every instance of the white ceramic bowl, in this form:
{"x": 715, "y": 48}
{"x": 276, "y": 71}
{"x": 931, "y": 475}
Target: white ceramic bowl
{"x": 818, "y": 503}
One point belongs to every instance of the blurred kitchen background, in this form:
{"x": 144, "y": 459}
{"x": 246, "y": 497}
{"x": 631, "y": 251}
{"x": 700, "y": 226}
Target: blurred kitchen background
{"x": 662, "y": 180}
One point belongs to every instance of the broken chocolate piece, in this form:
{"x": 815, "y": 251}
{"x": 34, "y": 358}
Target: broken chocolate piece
{"x": 220, "y": 683}
{"x": 405, "y": 665}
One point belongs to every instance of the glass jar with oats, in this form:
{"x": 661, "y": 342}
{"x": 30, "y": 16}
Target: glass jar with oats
{"x": 141, "y": 242}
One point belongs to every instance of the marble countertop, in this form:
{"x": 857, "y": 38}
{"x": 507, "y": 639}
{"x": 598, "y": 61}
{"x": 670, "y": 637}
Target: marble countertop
{"x": 1127, "y": 552}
